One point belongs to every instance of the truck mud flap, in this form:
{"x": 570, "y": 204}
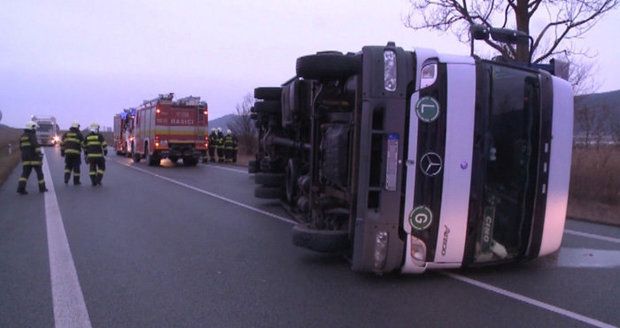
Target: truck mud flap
{"x": 323, "y": 241}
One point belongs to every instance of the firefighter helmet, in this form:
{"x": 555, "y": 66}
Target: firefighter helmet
{"x": 94, "y": 127}
{"x": 228, "y": 131}
{"x": 31, "y": 125}
{"x": 75, "y": 124}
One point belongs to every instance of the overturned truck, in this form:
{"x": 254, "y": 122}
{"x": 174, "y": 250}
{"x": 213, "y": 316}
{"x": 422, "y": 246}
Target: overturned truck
{"x": 414, "y": 160}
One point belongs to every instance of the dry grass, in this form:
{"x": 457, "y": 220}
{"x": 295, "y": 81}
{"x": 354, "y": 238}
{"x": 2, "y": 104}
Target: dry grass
{"x": 8, "y": 161}
{"x": 595, "y": 184}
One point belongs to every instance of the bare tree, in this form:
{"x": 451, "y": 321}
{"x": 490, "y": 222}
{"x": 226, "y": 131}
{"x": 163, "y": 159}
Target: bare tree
{"x": 567, "y": 20}
{"x": 243, "y": 126}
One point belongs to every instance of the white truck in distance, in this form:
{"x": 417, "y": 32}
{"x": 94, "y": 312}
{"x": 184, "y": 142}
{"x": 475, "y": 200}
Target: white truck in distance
{"x": 414, "y": 160}
{"x": 47, "y": 130}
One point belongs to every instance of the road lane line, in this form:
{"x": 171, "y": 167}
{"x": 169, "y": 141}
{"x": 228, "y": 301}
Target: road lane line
{"x": 228, "y": 200}
{"x": 515, "y": 296}
{"x": 528, "y": 300}
{"x": 591, "y": 235}
{"x": 67, "y": 298}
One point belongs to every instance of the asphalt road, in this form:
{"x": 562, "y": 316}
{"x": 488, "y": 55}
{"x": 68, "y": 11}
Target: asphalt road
{"x": 192, "y": 247}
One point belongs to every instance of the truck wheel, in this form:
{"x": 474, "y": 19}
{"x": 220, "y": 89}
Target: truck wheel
{"x": 269, "y": 179}
{"x": 153, "y": 159}
{"x": 252, "y": 167}
{"x": 136, "y": 157}
{"x": 328, "y": 66}
{"x": 173, "y": 159}
{"x": 268, "y": 107}
{"x": 266, "y": 93}
{"x": 268, "y": 192}
{"x": 325, "y": 241}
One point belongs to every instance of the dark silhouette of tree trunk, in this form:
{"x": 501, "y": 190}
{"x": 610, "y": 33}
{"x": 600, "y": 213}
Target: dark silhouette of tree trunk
{"x": 243, "y": 126}
{"x": 567, "y": 20}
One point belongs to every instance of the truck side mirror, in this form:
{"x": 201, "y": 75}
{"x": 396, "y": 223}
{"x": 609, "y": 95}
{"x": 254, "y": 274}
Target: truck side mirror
{"x": 507, "y": 36}
{"x": 479, "y": 32}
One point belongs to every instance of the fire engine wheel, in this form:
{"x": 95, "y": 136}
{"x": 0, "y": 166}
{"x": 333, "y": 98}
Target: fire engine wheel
{"x": 268, "y": 192}
{"x": 268, "y": 107}
{"x": 190, "y": 161}
{"x": 266, "y": 93}
{"x": 136, "y": 157}
{"x": 328, "y": 66}
{"x": 153, "y": 159}
{"x": 325, "y": 241}
{"x": 269, "y": 179}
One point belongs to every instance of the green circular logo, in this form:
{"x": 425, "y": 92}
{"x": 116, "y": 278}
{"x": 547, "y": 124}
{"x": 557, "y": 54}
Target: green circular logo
{"x": 421, "y": 217}
{"x": 427, "y": 109}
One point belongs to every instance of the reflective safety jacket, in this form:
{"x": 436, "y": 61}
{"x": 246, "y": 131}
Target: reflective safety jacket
{"x": 72, "y": 142}
{"x": 230, "y": 142}
{"x": 220, "y": 140}
{"x": 213, "y": 140}
{"x": 95, "y": 145}
{"x": 30, "y": 148}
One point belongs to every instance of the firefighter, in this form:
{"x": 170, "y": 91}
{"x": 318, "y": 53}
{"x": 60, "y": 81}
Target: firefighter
{"x": 229, "y": 146}
{"x": 95, "y": 148}
{"x": 71, "y": 149}
{"x": 220, "y": 146}
{"x": 32, "y": 158}
{"x": 212, "y": 144}
{"x": 235, "y": 148}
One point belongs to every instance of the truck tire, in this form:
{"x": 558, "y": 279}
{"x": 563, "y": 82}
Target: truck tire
{"x": 328, "y": 66}
{"x": 324, "y": 241}
{"x": 252, "y": 167}
{"x": 136, "y": 157}
{"x": 268, "y": 107}
{"x": 268, "y": 192}
{"x": 153, "y": 159}
{"x": 269, "y": 179}
{"x": 173, "y": 159}
{"x": 267, "y": 93}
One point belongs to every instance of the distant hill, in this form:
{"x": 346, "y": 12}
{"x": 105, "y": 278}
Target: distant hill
{"x": 221, "y": 122}
{"x": 9, "y": 135}
{"x": 605, "y": 109}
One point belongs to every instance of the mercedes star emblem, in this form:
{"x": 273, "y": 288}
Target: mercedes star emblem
{"x": 431, "y": 164}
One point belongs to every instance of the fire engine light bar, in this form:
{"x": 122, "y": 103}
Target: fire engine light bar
{"x": 389, "y": 70}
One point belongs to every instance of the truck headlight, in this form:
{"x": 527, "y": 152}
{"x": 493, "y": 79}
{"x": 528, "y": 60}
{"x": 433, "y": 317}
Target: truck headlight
{"x": 389, "y": 70}
{"x": 381, "y": 245}
{"x": 428, "y": 75}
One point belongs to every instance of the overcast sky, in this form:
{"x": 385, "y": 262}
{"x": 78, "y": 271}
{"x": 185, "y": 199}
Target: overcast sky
{"x": 87, "y": 60}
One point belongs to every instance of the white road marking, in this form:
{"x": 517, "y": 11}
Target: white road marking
{"x": 67, "y": 298}
{"x": 528, "y": 300}
{"x": 228, "y": 200}
{"x": 591, "y": 235}
{"x": 476, "y": 283}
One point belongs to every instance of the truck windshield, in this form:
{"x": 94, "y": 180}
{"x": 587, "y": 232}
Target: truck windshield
{"x": 44, "y": 127}
{"x": 510, "y": 153}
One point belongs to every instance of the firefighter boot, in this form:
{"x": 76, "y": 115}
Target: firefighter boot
{"x": 42, "y": 187}
{"x": 67, "y": 176}
{"x": 76, "y": 180}
{"x": 21, "y": 188}
{"x": 93, "y": 179}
